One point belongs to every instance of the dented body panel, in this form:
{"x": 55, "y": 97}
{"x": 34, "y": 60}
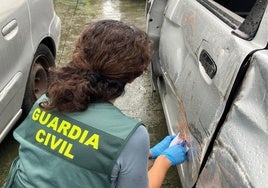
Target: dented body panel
{"x": 240, "y": 152}
{"x": 203, "y": 62}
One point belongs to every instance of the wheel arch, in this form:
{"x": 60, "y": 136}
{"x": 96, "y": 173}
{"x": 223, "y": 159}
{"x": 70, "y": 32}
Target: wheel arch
{"x": 50, "y": 44}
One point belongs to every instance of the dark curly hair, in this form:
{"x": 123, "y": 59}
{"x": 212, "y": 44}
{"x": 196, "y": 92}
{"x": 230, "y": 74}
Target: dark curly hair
{"x": 108, "y": 54}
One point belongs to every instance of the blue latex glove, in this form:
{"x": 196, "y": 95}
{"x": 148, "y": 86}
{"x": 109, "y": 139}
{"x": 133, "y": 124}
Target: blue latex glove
{"x": 161, "y": 146}
{"x": 175, "y": 154}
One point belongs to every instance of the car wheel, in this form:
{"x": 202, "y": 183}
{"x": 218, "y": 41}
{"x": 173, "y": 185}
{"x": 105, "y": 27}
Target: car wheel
{"x": 38, "y": 77}
{"x": 155, "y": 73}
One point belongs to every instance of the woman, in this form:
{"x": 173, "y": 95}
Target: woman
{"x": 75, "y": 137}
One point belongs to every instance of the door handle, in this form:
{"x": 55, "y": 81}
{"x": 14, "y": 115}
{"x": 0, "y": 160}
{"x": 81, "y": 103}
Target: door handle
{"x": 10, "y": 29}
{"x": 208, "y": 64}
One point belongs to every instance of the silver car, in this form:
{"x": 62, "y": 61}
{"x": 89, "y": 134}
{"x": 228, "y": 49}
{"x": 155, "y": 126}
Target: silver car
{"x": 30, "y": 31}
{"x": 210, "y": 66}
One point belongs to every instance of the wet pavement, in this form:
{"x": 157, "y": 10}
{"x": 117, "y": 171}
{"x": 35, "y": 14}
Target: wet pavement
{"x": 139, "y": 101}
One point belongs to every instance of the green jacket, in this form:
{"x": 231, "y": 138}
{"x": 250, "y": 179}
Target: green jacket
{"x": 71, "y": 150}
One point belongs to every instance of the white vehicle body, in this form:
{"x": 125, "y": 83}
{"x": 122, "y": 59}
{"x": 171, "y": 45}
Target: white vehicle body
{"x": 30, "y": 32}
{"x": 210, "y": 66}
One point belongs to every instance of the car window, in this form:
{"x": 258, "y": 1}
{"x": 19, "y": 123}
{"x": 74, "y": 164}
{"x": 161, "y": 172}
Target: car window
{"x": 242, "y": 8}
{"x": 244, "y": 17}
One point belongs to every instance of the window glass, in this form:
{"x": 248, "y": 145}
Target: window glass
{"x": 242, "y": 8}
{"x": 243, "y": 16}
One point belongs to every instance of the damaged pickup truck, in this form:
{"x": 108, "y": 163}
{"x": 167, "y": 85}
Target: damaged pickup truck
{"x": 210, "y": 66}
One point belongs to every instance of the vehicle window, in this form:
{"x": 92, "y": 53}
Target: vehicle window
{"x": 242, "y": 8}
{"x": 243, "y": 16}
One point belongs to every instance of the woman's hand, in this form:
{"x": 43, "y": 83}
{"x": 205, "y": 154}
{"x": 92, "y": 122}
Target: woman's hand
{"x": 160, "y": 147}
{"x": 176, "y": 154}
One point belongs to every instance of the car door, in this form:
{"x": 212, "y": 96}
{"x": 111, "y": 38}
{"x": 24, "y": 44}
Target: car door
{"x": 15, "y": 50}
{"x": 201, "y": 51}
{"x": 239, "y": 154}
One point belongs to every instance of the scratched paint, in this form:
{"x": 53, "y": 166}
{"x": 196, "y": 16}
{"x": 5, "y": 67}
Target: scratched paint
{"x": 138, "y": 101}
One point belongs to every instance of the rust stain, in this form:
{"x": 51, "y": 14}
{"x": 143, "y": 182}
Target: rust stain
{"x": 183, "y": 123}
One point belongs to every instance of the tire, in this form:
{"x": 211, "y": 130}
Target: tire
{"x": 38, "y": 77}
{"x": 155, "y": 72}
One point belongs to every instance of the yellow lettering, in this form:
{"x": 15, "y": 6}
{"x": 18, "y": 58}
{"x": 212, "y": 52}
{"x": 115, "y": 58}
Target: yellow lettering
{"x": 44, "y": 118}
{"x": 55, "y": 143}
{"x": 83, "y": 137}
{"x": 64, "y": 127}
{"x": 47, "y": 139}
{"x": 93, "y": 141}
{"x": 68, "y": 150}
{"x": 38, "y": 135}
{"x": 75, "y": 132}
{"x": 63, "y": 146}
{"x": 36, "y": 114}
{"x": 53, "y": 123}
